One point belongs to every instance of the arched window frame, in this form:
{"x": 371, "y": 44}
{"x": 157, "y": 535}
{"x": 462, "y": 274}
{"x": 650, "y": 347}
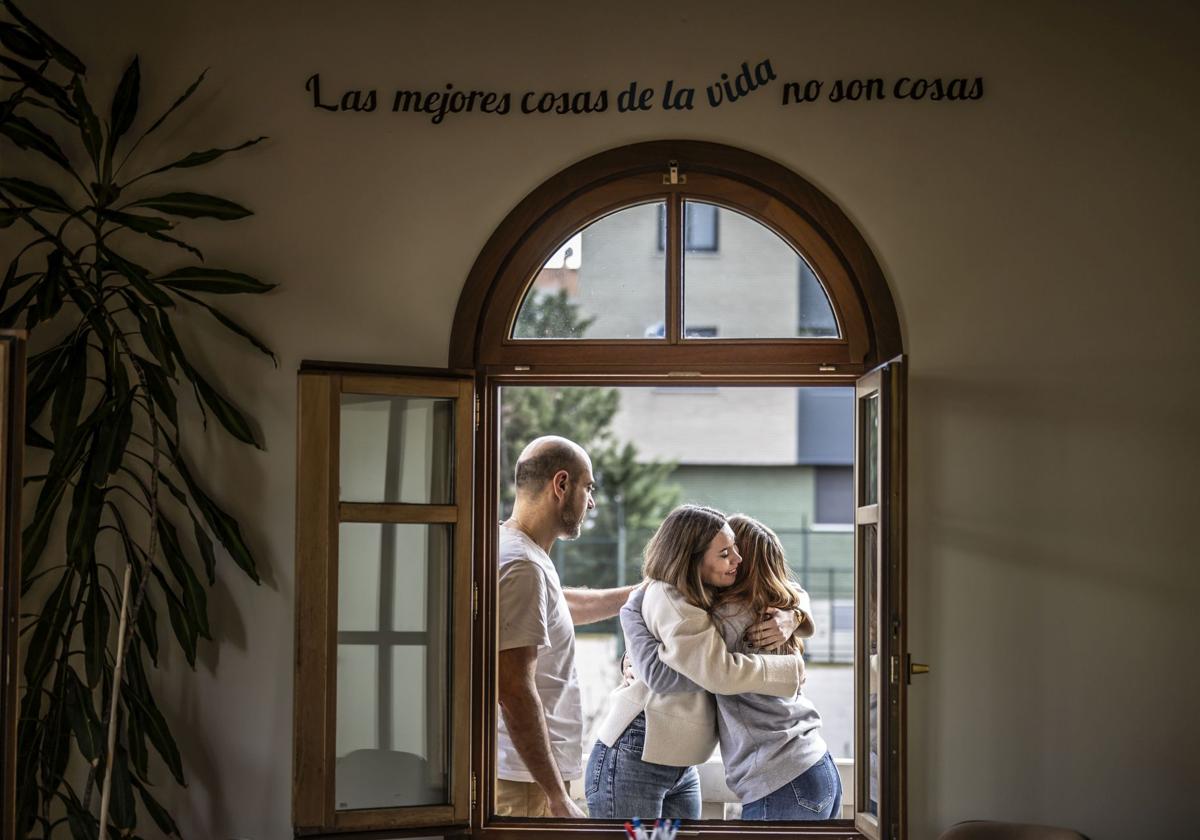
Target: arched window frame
{"x": 759, "y": 188}
{"x": 484, "y": 357}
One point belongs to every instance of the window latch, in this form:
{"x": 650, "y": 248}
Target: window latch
{"x": 673, "y": 176}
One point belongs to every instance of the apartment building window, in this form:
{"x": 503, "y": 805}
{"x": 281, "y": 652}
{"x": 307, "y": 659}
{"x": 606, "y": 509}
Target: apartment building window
{"x": 700, "y": 228}
{"x": 834, "y": 503}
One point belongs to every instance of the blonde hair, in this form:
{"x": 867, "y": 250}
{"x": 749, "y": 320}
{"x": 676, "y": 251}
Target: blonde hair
{"x": 674, "y": 553}
{"x": 763, "y": 579}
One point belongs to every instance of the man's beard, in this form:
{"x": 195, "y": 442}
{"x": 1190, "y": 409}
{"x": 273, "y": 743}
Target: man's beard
{"x": 573, "y": 522}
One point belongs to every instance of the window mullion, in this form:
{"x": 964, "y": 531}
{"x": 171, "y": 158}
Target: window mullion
{"x": 674, "y": 327}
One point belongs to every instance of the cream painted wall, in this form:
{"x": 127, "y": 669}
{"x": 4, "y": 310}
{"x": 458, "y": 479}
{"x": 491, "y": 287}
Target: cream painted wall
{"x": 1041, "y": 245}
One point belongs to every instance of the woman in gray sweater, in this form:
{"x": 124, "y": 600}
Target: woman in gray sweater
{"x": 775, "y": 759}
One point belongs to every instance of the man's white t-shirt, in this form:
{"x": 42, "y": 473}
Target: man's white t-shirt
{"x": 533, "y": 612}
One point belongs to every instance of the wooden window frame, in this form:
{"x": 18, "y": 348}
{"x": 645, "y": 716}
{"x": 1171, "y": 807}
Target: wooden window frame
{"x": 482, "y": 347}
{"x": 319, "y": 512}
{"x": 482, "y": 340}
{"x": 12, "y": 443}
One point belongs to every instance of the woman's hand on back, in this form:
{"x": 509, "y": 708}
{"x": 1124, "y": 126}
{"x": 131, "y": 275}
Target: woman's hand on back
{"x": 776, "y": 627}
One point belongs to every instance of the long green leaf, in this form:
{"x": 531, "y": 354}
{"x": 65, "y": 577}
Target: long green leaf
{"x": 138, "y": 277}
{"x": 89, "y": 123}
{"x": 177, "y": 350}
{"x": 185, "y": 631}
{"x": 195, "y": 601}
{"x": 178, "y": 243}
{"x": 161, "y": 391}
{"x": 68, "y": 396}
{"x": 36, "y": 533}
{"x": 28, "y": 136}
{"x": 217, "y": 281}
{"x": 124, "y": 107}
{"x": 56, "y": 749}
{"x": 124, "y": 809}
{"x": 139, "y": 224}
{"x": 147, "y": 618}
{"x": 151, "y": 333}
{"x": 42, "y": 86}
{"x": 21, "y": 44}
{"x": 9, "y": 215}
{"x": 156, "y": 725}
{"x": 61, "y": 54}
{"x": 224, "y": 527}
{"x": 82, "y": 824}
{"x": 205, "y": 545}
{"x": 135, "y": 742}
{"x": 39, "y": 656}
{"x": 162, "y": 818}
{"x": 8, "y": 318}
{"x": 29, "y": 747}
{"x": 82, "y": 717}
{"x": 83, "y": 520}
{"x": 39, "y": 196}
{"x": 201, "y": 158}
{"x": 226, "y": 413}
{"x": 108, "y": 449}
{"x": 234, "y": 327}
{"x": 50, "y": 290}
{"x": 96, "y": 625}
{"x": 195, "y": 206}
{"x": 182, "y": 98}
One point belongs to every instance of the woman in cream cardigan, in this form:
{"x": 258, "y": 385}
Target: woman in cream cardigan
{"x": 775, "y": 758}
{"x": 643, "y": 763}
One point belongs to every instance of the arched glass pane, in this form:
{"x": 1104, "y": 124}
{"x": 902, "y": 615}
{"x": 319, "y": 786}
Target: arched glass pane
{"x": 740, "y": 280}
{"x": 606, "y": 281}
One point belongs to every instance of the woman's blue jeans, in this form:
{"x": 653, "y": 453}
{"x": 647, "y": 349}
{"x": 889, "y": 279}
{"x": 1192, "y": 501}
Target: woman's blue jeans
{"x": 619, "y": 785}
{"x": 816, "y": 794}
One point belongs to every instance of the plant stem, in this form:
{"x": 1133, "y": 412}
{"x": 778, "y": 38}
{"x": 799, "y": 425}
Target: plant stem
{"x": 118, "y": 673}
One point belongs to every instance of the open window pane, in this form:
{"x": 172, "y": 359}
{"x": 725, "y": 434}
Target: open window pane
{"x": 383, "y": 602}
{"x": 608, "y": 280}
{"x": 879, "y": 553}
{"x": 870, "y": 456}
{"x": 869, "y": 563}
{"x": 396, "y": 449}
{"x": 752, "y": 284}
{"x": 392, "y": 670}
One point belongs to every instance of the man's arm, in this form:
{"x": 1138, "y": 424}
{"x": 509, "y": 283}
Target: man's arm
{"x": 526, "y": 722}
{"x": 591, "y": 605}
{"x": 643, "y": 649}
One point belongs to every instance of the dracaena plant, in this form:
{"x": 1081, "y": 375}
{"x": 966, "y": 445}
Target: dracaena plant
{"x": 99, "y": 280}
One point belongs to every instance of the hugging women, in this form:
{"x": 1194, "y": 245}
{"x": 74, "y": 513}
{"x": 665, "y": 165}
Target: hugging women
{"x": 710, "y": 579}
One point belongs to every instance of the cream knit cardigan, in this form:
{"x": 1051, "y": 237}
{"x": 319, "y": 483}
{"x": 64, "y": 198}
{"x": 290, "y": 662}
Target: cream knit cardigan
{"x": 681, "y": 728}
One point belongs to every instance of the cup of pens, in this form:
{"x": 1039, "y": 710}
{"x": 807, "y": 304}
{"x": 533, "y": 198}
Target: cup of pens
{"x": 663, "y": 829}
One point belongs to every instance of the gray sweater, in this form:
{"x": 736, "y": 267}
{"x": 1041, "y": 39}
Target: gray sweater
{"x": 765, "y": 741}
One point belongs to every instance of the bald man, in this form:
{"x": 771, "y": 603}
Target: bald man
{"x": 539, "y": 736}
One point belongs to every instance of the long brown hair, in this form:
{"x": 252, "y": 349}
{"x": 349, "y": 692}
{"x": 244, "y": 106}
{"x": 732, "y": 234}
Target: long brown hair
{"x": 674, "y": 553}
{"x": 763, "y": 579}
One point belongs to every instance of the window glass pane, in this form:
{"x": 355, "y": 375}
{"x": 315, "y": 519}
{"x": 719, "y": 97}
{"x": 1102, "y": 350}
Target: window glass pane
{"x": 870, "y": 566}
{"x": 751, "y": 284}
{"x": 606, "y": 281}
{"x": 870, "y": 454}
{"x": 396, "y": 449}
{"x": 700, "y": 227}
{"x": 392, "y": 667}
{"x": 655, "y": 446}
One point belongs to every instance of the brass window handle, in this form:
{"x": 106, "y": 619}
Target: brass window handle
{"x": 915, "y": 668}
